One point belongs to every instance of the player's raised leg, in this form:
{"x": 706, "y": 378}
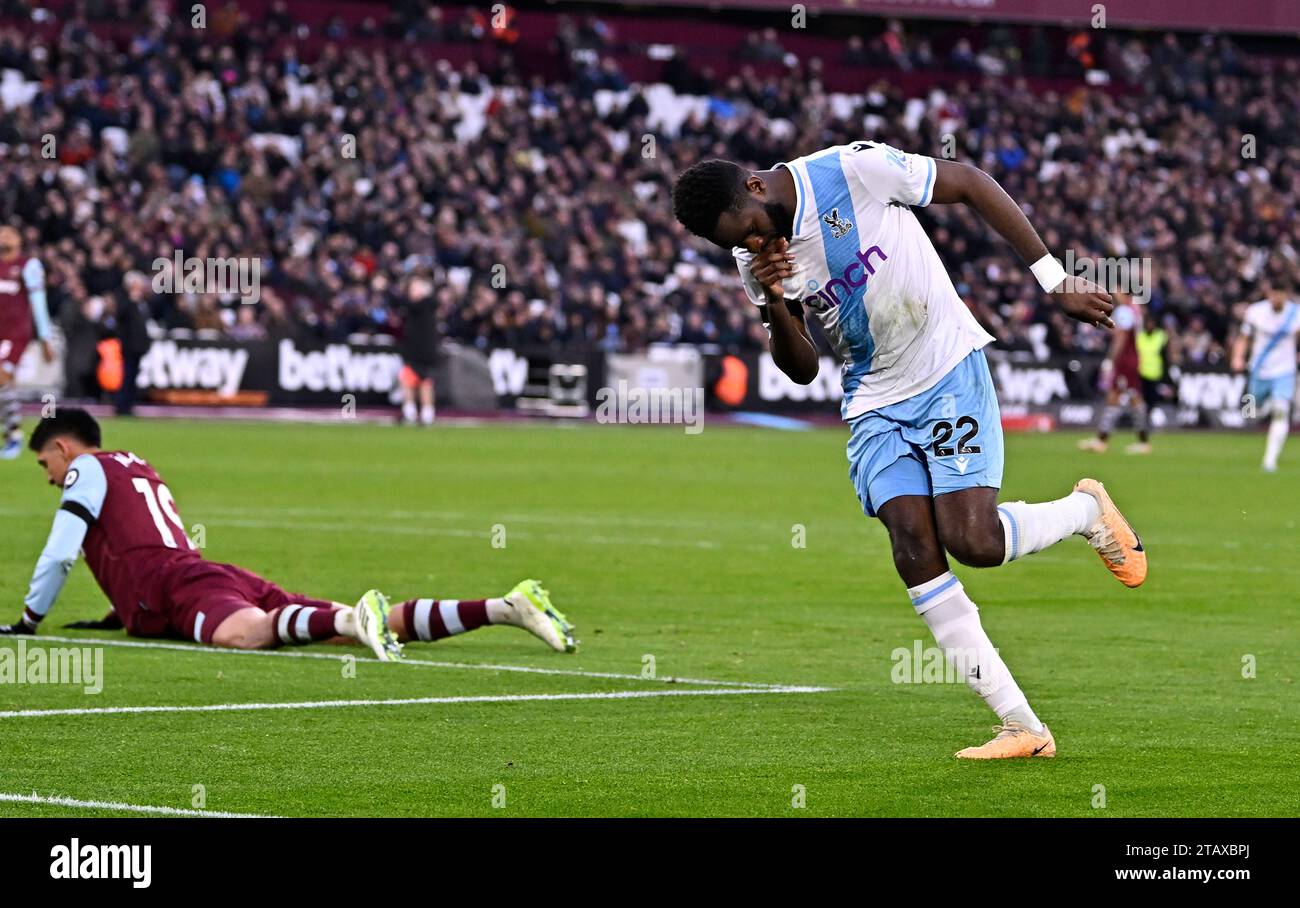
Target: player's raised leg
{"x": 979, "y": 532}
{"x": 958, "y": 426}
{"x": 941, "y": 601}
{"x": 527, "y": 606}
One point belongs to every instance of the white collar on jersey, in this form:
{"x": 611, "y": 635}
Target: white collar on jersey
{"x": 801, "y": 196}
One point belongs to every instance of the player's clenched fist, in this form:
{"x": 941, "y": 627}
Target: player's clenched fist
{"x": 771, "y": 266}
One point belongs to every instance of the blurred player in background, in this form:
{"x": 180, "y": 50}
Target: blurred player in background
{"x": 22, "y": 302}
{"x": 419, "y": 352}
{"x": 1121, "y": 379}
{"x": 118, "y": 511}
{"x": 1269, "y": 329}
{"x": 833, "y": 235}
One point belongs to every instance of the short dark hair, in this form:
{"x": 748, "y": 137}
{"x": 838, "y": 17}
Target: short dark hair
{"x": 704, "y": 191}
{"x": 72, "y": 421}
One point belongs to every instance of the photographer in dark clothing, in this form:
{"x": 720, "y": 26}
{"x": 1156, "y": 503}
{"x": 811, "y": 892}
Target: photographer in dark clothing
{"x": 134, "y": 309}
{"x": 419, "y": 350}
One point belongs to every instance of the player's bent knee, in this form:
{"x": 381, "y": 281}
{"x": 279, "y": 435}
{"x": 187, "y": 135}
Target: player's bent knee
{"x": 976, "y": 551}
{"x": 248, "y": 628}
{"x": 973, "y": 536}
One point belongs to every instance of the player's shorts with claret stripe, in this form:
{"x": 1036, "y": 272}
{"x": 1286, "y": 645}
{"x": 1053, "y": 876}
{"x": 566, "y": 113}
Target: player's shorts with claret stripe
{"x": 194, "y": 596}
{"x": 1281, "y": 387}
{"x": 11, "y": 351}
{"x": 945, "y": 439}
{"x": 1127, "y": 377}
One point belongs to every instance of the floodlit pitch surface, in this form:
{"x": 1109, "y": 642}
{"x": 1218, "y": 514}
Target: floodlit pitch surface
{"x": 679, "y": 553}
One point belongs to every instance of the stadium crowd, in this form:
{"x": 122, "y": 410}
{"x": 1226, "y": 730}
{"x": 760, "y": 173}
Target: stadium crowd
{"x": 541, "y": 210}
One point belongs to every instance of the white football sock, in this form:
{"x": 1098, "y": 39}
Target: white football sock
{"x": 345, "y": 621}
{"x": 955, "y": 622}
{"x": 501, "y": 612}
{"x": 408, "y": 411}
{"x": 426, "y": 415}
{"x": 1277, "y": 432}
{"x": 1029, "y": 528}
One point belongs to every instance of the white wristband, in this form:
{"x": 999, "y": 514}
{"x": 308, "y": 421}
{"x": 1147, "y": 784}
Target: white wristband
{"x": 1049, "y": 272}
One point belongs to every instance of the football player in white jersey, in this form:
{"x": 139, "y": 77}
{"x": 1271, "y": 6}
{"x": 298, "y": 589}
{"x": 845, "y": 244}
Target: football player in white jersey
{"x": 1270, "y": 329}
{"x": 833, "y": 236}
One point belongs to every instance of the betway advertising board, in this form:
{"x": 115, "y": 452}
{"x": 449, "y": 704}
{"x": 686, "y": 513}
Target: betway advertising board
{"x": 273, "y": 372}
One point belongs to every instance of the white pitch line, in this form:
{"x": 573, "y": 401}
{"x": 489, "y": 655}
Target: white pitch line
{"x": 424, "y": 663}
{"x": 440, "y": 515}
{"x": 34, "y": 798}
{"x": 407, "y": 701}
{"x": 422, "y": 531}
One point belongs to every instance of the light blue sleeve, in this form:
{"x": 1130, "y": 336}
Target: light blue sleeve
{"x": 34, "y": 281}
{"x": 85, "y": 486}
{"x": 52, "y": 568}
{"x": 84, "y": 489}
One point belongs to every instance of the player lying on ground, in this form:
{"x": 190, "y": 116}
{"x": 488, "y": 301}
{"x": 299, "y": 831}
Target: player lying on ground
{"x": 1271, "y": 328}
{"x": 22, "y": 303}
{"x": 118, "y": 511}
{"x": 1122, "y": 381}
{"x": 833, "y": 233}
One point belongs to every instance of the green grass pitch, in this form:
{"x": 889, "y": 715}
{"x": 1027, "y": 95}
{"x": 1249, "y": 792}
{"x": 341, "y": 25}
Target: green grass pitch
{"x": 676, "y": 547}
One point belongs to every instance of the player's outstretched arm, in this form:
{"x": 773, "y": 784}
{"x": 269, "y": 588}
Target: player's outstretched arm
{"x": 52, "y": 567}
{"x": 84, "y": 489}
{"x": 791, "y": 345}
{"x": 956, "y": 182}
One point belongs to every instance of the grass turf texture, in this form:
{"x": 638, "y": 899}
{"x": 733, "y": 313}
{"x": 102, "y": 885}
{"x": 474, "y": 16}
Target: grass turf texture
{"x": 658, "y": 543}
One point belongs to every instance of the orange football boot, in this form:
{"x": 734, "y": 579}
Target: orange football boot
{"x": 1013, "y": 740}
{"x": 1114, "y": 539}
